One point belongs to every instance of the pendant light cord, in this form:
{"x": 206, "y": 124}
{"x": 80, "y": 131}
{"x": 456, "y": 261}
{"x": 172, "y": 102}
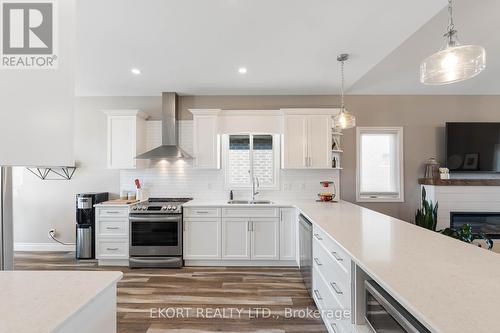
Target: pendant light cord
{"x": 451, "y": 25}
{"x": 451, "y": 31}
{"x": 342, "y": 84}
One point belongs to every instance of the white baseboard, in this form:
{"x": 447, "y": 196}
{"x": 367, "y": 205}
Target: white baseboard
{"x": 40, "y": 247}
{"x": 241, "y": 263}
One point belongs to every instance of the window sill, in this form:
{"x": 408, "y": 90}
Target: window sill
{"x": 379, "y": 199}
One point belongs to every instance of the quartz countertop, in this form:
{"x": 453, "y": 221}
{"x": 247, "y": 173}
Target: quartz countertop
{"x": 41, "y": 301}
{"x": 448, "y": 285}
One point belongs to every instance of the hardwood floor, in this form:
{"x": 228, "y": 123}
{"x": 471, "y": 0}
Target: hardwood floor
{"x": 260, "y": 298}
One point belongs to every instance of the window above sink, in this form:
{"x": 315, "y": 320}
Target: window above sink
{"x": 249, "y": 155}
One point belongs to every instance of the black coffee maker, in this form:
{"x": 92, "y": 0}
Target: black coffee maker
{"x": 85, "y": 223}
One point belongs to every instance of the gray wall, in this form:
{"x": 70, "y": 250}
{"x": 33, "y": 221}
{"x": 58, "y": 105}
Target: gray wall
{"x": 423, "y": 119}
{"x": 39, "y": 206}
{"x": 42, "y": 205}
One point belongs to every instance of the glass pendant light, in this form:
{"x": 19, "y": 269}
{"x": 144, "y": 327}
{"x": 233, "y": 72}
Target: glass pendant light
{"x": 455, "y": 62}
{"x": 344, "y": 119}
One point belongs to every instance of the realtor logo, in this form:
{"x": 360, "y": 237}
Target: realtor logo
{"x": 28, "y": 34}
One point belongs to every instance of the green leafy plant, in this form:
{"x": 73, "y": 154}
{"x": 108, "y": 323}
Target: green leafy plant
{"x": 465, "y": 234}
{"x": 426, "y": 216}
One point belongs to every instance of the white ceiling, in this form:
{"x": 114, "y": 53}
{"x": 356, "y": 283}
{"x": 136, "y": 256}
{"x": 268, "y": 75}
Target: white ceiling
{"x": 477, "y": 23}
{"x": 196, "y": 46}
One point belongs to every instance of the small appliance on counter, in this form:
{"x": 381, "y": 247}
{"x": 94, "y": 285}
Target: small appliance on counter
{"x": 85, "y": 223}
{"x": 327, "y": 196}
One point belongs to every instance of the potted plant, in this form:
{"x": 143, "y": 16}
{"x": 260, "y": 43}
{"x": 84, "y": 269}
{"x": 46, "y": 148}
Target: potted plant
{"x": 465, "y": 234}
{"x": 426, "y": 217}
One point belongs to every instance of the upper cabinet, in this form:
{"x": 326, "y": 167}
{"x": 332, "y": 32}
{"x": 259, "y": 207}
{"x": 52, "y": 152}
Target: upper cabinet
{"x": 126, "y": 136}
{"x": 307, "y": 142}
{"x": 206, "y": 139}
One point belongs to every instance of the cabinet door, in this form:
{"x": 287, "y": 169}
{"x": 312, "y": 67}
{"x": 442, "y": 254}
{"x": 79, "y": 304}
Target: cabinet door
{"x": 202, "y": 238}
{"x": 295, "y": 142}
{"x": 206, "y": 145}
{"x": 319, "y": 143}
{"x": 121, "y": 142}
{"x": 288, "y": 226}
{"x": 265, "y": 238}
{"x": 235, "y": 239}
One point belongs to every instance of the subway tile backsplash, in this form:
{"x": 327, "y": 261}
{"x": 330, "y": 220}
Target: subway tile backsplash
{"x": 180, "y": 179}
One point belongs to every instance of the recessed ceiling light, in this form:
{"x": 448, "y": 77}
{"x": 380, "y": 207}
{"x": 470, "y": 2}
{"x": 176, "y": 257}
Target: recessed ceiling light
{"x": 242, "y": 70}
{"x": 135, "y": 71}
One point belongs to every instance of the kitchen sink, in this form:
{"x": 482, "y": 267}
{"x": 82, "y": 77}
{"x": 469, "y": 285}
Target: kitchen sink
{"x": 239, "y": 202}
{"x": 261, "y": 202}
{"x": 247, "y": 202}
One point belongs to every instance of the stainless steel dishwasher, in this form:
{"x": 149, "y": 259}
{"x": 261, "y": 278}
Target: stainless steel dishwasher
{"x": 305, "y": 248}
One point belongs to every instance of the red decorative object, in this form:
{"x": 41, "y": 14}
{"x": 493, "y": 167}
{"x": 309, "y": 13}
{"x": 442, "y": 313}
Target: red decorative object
{"x": 326, "y": 183}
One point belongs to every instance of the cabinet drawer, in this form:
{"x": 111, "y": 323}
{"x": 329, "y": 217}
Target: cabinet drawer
{"x": 201, "y": 212}
{"x": 113, "y": 228}
{"x": 112, "y": 249}
{"x": 250, "y": 212}
{"x": 337, "y": 280}
{"x": 333, "y": 248}
{"x": 335, "y": 316}
{"x": 113, "y": 212}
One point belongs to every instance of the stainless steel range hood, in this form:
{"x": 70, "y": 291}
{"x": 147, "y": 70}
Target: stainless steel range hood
{"x": 170, "y": 132}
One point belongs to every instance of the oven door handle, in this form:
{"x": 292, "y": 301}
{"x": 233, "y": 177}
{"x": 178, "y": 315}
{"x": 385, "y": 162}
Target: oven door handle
{"x": 145, "y": 218}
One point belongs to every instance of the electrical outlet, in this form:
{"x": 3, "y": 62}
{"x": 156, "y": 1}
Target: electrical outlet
{"x": 52, "y": 232}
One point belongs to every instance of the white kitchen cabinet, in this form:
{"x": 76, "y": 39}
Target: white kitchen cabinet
{"x": 331, "y": 280}
{"x": 319, "y": 142}
{"x": 295, "y": 142}
{"x": 126, "y": 138}
{"x": 242, "y": 236}
{"x": 265, "y": 239}
{"x": 307, "y": 141}
{"x": 206, "y": 140}
{"x": 288, "y": 235}
{"x": 112, "y": 235}
{"x": 202, "y": 238}
{"x": 236, "y": 239}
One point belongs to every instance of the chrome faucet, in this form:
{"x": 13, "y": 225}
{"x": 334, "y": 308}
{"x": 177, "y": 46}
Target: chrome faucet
{"x": 254, "y": 193}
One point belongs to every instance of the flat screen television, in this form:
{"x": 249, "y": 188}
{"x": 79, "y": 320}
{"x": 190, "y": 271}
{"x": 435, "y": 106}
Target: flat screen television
{"x": 473, "y": 147}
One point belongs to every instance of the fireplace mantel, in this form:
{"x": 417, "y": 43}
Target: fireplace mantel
{"x": 459, "y": 182}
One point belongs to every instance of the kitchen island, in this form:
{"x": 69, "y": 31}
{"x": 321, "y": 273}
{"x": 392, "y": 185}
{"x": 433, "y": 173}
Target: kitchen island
{"x": 447, "y": 285}
{"x": 58, "y": 302}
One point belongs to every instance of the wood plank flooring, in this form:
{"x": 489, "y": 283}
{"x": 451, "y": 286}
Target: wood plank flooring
{"x": 257, "y": 296}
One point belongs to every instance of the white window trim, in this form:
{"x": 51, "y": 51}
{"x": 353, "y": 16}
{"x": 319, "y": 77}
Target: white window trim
{"x": 400, "y": 142}
{"x": 276, "y": 157}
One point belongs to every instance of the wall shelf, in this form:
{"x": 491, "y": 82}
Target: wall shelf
{"x": 460, "y": 182}
{"x": 58, "y": 173}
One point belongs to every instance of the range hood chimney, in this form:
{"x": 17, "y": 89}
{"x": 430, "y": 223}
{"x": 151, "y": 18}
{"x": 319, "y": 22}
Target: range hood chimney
{"x": 169, "y": 133}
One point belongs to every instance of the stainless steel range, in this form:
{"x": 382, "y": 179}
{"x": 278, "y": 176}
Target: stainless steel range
{"x": 156, "y": 233}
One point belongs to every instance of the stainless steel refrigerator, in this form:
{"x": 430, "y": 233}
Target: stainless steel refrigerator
{"x": 6, "y": 228}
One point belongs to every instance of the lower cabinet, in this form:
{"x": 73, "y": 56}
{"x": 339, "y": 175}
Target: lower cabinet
{"x": 202, "y": 238}
{"x": 332, "y": 283}
{"x": 265, "y": 239}
{"x": 288, "y": 233}
{"x": 236, "y": 239}
{"x": 240, "y": 234}
{"x": 112, "y": 235}
{"x": 250, "y": 239}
